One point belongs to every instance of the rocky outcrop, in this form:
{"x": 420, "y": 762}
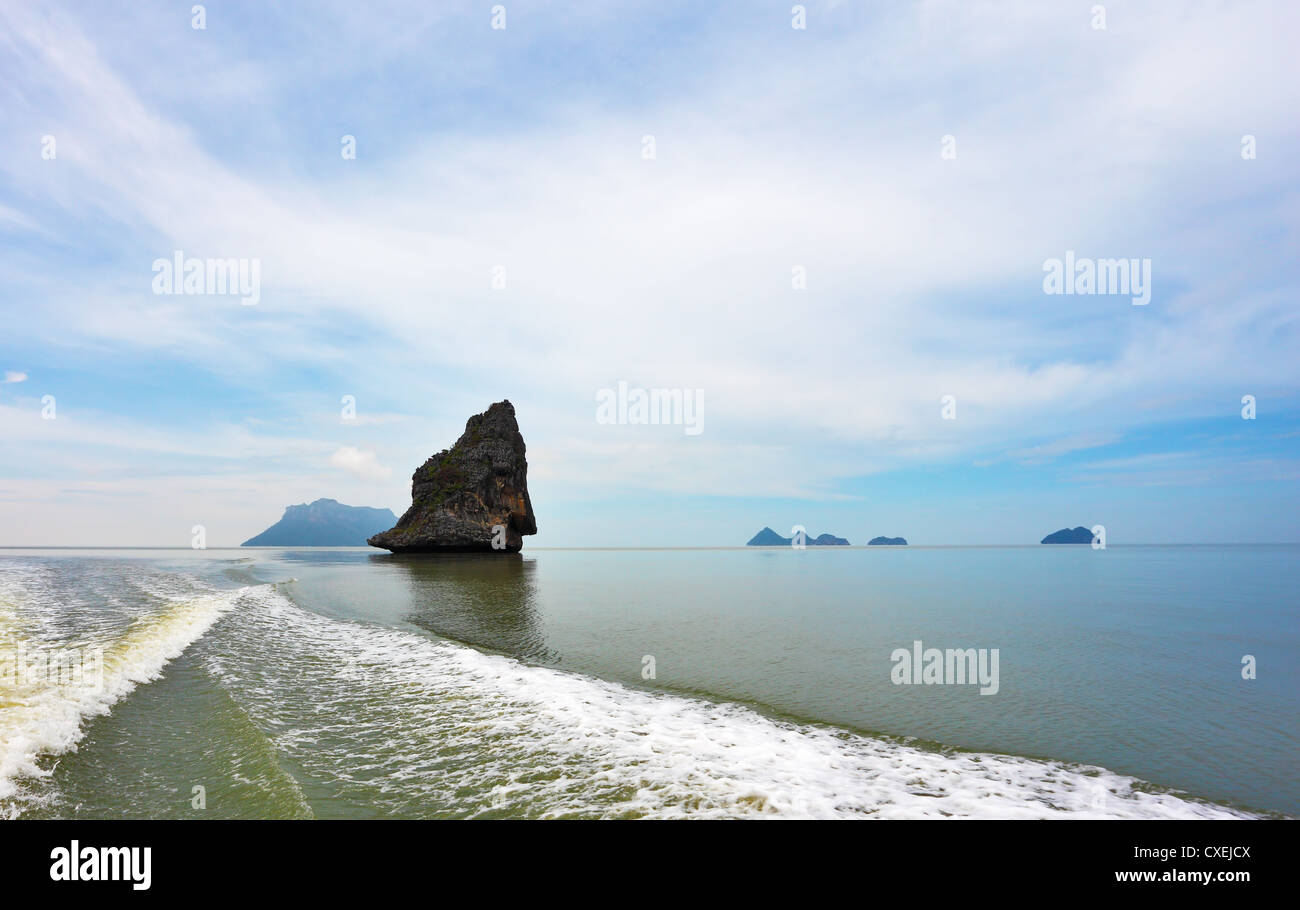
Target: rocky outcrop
{"x": 323, "y": 523}
{"x": 462, "y": 495}
{"x": 887, "y": 542}
{"x": 1066, "y": 535}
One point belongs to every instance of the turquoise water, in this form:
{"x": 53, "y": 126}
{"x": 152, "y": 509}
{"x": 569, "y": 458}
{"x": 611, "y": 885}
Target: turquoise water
{"x": 349, "y": 683}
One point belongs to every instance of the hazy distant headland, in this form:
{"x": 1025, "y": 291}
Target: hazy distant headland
{"x": 887, "y": 542}
{"x": 323, "y": 523}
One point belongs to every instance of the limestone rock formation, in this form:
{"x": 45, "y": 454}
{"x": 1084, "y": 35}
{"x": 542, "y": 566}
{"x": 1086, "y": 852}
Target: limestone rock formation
{"x": 460, "y": 496}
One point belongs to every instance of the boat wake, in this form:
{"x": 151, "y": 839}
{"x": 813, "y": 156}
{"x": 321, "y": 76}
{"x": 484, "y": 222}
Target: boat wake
{"x": 381, "y": 720}
{"x": 407, "y": 725}
{"x": 50, "y": 687}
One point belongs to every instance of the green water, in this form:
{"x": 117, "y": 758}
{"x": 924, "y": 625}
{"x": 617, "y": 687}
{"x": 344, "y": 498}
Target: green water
{"x": 346, "y": 683}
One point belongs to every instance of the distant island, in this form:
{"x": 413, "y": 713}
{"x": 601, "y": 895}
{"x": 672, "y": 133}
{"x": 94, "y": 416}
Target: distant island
{"x": 324, "y": 523}
{"x": 887, "y": 542}
{"x": 1066, "y": 535}
{"x": 769, "y": 538}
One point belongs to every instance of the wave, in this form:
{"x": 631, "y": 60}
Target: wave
{"x": 44, "y": 714}
{"x": 403, "y": 724}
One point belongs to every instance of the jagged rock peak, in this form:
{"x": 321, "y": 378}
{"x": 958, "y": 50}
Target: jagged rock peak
{"x": 471, "y": 497}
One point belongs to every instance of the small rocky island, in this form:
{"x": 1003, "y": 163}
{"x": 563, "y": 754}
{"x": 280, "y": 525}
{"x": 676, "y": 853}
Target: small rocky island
{"x": 1067, "y": 535}
{"x": 323, "y": 523}
{"x": 769, "y": 538}
{"x": 887, "y": 542}
{"x": 462, "y": 495}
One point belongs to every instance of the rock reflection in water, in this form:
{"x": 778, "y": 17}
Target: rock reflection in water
{"x": 484, "y": 599}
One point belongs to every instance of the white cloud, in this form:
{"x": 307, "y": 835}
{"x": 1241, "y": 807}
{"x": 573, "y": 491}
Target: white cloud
{"x": 13, "y": 376}
{"x": 361, "y": 463}
{"x": 1045, "y": 452}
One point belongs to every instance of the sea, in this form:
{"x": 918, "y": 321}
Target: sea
{"x": 1131, "y": 682}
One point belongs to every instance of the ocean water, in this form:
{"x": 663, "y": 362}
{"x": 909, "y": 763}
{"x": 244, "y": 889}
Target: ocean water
{"x": 348, "y": 683}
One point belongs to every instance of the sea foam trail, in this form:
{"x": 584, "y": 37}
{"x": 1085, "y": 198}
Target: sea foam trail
{"x": 407, "y": 725}
{"x": 44, "y": 714}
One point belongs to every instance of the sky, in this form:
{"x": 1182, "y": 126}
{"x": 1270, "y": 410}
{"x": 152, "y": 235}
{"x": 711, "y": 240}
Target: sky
{"x": 821, "y": 232}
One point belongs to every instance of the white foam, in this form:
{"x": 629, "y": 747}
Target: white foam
{"x": 46, "y": 717}
{"x": 410, "y": 725}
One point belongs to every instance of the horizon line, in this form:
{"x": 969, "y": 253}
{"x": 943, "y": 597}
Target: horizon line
{"x": 932, "y": 546}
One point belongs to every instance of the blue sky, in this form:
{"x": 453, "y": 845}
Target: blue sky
{"x": 775, "y": 147}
